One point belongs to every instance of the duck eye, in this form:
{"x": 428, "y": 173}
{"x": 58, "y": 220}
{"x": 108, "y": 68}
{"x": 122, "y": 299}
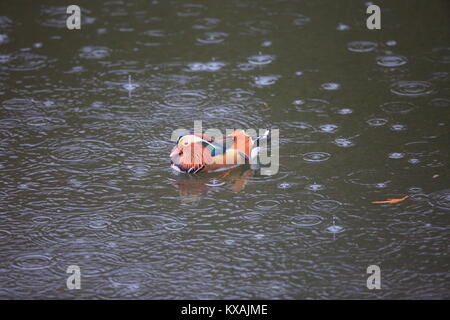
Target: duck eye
{"x": 186, "y": 143}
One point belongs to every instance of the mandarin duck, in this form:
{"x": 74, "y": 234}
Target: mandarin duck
{"x": 197, "y": 152}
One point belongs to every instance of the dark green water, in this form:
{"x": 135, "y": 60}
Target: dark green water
{"x": 86, "y": 179}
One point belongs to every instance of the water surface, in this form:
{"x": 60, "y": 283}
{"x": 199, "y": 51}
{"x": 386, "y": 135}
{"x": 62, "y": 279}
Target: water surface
{"x": 85, "y": 123}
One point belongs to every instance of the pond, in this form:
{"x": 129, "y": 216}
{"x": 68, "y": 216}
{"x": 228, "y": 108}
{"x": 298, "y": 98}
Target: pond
{"x": 86, "y": 118}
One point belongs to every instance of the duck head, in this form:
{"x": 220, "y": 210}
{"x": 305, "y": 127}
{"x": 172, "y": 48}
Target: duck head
{"x": 191, "y": 153}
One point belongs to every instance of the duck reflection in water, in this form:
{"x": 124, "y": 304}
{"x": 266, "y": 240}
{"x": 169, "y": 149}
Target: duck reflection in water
{"x": 195, "y": 187}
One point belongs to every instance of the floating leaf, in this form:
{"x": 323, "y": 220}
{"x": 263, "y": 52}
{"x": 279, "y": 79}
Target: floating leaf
{"x": 391, "y": 200}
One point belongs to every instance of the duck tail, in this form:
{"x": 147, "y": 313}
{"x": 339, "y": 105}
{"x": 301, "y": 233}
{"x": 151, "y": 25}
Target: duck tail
{"x": 256, "y": 143}
{"x": 265, "y": 135}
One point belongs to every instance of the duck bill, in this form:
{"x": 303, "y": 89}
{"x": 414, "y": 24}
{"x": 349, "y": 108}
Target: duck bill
{"x": 176, "y": 151}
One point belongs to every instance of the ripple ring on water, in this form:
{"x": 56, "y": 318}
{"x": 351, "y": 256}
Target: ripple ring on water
{"x": 377, "y": 122}
{"x": 25, "y": 61}
{"x": 142, "y": 225}
{"x": 307, "y": 220}
{"x": 391, "y": 61}
{"x": 79, "y": 150}
{"x": 330, "y": 86}
{"x": 400, "y": 107}
{"x": 412, "y": 88}
{"x": 324, "y": 205}
{"x": 174, "y": 226}
{"x": 267, "y": 204}
{"x": 316, "y": 156}
{"x": 44, "y": 121}
{"x": 261, "y": 59}
{"x": 32, "y": 262}
{"x": 361, "y": 46}
{"x": 212, "y": 37}
{"x": 344, "y": 143}
{"x": 187, "y": 99}
{"x": 335, "y": 229}
{"x": 440, "y": 55}
{"x": 440, "y": 199}
{"x": 94, "y": 52}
